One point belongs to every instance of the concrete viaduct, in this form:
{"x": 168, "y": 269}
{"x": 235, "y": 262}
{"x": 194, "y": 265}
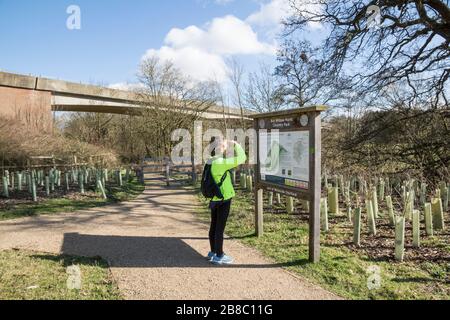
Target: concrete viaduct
{"x": 21, "y": 91}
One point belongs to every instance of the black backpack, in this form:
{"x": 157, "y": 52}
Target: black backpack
{"x": 210, "y": 188}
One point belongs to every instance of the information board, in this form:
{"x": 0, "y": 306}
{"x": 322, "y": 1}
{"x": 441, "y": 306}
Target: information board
{"x": 284, "y": 158}
{"x": 289, "y": 163}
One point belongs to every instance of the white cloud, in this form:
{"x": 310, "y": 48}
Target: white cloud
{"x": 270, "y": 14}
{"x": 194, "y": 62}
{"x": 201, "y": 52}
{"x": 226, "y": 35}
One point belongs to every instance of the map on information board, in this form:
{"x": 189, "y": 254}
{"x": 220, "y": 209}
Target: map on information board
{"x": 284, "y": 158}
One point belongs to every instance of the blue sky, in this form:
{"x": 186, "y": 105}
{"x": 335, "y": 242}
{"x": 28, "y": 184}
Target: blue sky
{"x": 199, "y": 35}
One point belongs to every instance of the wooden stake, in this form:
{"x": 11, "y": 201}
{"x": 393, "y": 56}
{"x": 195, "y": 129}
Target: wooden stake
{"x": 47, "y": 185}
{"x": 416, "y": 228}
{"x": 52, "y": 180}
{"x": 29, "y": 183}
{"x": 400, "y": 239}
{"x": 81, "y": 182}
{"x": 290, "y": 205}
{"x": 102, "y": 189}
{"x": 444, "y": 197}
{"x": 375, "y": 202}
{"x": 390, "y": 208}
{"x": 19, "y": 181}
{"x": 120, "y": 177}
{"x": 409, "y": 205}
{"x": 438, "y": 214}
{"x": 423, "y": 193}
{"x": 5, "y": 187}
{"x": 243, "y": 181}
{"x": 271, "y": 199}
{"x": 428, "y": 219}
{"x": 357, "y": 227}
{"x": 333, "y": 200}
{"x": 33, "y": 188}
{"x": 382, "y": 189}
{"x": 259, "y": 213}
{"x": 349, "y": 214}
{"x": 324, "y": 214}
{"x": 371, "y": 218}
{"x": 66, "y": 178}
{"x": 250, "y": 183}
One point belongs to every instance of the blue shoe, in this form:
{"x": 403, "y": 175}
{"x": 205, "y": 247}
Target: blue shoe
{"x": 222, "y": 260}
{"x": 210, "y": 256}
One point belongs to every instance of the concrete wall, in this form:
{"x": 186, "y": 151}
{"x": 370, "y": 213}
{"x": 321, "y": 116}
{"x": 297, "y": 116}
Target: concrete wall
{"x": 32, "y": 108}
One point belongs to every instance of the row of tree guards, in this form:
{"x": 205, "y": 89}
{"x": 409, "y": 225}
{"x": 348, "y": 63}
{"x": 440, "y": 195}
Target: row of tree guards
{"x": 402, "y": 202}
{"x": 69, "y": 178}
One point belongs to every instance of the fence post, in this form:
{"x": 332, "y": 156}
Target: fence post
{"x": 168, "y": 174}
{"x": 259, "y": 213}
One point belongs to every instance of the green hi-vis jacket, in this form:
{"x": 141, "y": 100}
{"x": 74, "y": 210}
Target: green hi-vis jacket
{"x": 221, "y": 165}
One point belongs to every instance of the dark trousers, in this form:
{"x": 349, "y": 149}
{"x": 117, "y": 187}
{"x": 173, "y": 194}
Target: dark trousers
{"x": 219, "y": 216}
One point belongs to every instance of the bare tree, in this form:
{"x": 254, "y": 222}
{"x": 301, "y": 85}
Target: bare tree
{"x": 302, "y": 74}
{"x": 236, "y": 77}
{"x": 408, "y": 45}
{"x": 263, "y": 92}
{"x": 171, "y": 101}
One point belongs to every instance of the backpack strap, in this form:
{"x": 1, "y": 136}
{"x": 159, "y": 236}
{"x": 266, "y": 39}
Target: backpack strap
{"x": 222, "y": 180}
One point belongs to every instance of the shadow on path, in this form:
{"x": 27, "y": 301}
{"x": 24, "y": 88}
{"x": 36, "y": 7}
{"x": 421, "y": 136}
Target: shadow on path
{"x": 146, "y": 252}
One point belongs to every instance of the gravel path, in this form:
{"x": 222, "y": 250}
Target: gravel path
{"x": 155, "y": 248}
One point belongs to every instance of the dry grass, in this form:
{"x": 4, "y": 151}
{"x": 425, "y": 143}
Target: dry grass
{"x": 19, "y": 142}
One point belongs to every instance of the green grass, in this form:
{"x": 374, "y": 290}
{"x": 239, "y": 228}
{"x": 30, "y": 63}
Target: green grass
{"x": 26, "y": 275}
{"x": 342, "y": 270}
{"x": 127, "y": 192}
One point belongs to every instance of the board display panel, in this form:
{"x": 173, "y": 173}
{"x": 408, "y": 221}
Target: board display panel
{"x": 284, "y": 158}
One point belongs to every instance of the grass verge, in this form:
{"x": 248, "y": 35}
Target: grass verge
{"x": 72, "y": 201}
{"x": 345, "y": 270}
{"x": 26, "y": 275}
